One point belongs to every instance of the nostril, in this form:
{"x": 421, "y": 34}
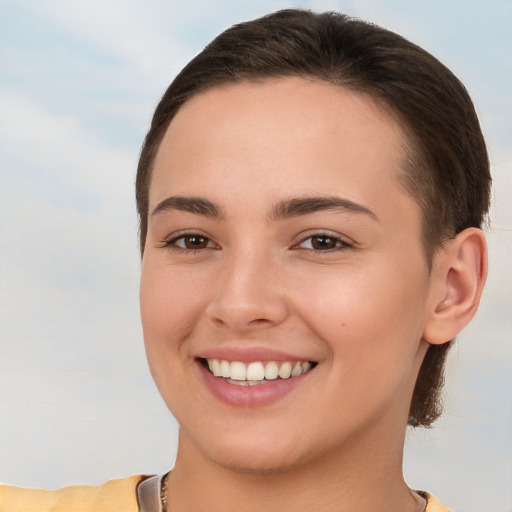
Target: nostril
{"x": 257, "y": 321}
{"x": 218, "y": 322}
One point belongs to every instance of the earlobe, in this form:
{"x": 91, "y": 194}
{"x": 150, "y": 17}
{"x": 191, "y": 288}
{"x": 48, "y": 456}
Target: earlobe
{"x": 458, "y": 277}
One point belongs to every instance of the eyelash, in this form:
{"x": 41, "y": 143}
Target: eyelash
{"x": 172, "y": 245}
{"x": 340, "y": 243}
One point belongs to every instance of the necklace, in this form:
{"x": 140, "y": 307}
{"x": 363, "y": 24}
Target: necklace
{"x": 163, "y": 492}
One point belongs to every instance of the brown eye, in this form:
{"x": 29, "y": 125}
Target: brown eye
{"x": 191, "y": 242}
{"x": 323, "y": 242}
{"x": 195, "y": 242}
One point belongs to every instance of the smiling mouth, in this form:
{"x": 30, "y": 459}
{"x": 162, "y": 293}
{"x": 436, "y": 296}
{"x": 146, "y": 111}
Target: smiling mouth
{"x": 256, "y": 372}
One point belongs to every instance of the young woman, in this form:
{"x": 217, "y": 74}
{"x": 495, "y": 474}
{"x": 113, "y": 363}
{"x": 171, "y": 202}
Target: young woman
{"x": 310, "y": 195}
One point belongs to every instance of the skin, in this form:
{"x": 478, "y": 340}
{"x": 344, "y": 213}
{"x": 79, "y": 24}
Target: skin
{"x": 359, "y": 305}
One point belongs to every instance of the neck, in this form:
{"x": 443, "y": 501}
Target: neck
{"x": 360, "y": 476}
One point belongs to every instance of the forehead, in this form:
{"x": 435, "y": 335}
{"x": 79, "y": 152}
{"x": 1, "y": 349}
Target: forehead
{"x": 288, "y": 135}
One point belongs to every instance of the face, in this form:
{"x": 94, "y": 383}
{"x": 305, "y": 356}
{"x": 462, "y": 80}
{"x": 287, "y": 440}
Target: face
{"x": 284, "y": 288}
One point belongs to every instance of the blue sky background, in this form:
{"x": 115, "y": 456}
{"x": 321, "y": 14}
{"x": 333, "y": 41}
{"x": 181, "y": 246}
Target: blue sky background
{"x": 78, "y": 83}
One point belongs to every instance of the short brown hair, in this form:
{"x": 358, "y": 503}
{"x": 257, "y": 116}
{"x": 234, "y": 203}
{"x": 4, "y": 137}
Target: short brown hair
{"x": 446, "y": 169}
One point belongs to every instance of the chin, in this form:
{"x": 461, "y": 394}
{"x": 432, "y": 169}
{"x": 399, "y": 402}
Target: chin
{"x": 257, "y": 463}
{"x": 256, "y": 454}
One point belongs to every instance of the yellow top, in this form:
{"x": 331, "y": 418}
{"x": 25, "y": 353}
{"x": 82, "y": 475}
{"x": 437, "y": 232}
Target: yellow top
{"x": 112, "y": 496}
{"x": 433, "y": 504}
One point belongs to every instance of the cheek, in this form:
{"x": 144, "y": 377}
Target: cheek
{"x": 366, "y": 316}
{"x": 372, "y": 328}
{"x": 171, "y": 302}
{"x": 170, "y": 306}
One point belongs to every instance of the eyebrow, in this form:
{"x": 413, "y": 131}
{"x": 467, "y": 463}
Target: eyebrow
{"x": 282, "y": 210}
{"x": 195, "y": 205}
{"x": 306, "y": 205}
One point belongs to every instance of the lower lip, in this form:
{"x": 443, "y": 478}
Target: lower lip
{"x": 250, "y": 396}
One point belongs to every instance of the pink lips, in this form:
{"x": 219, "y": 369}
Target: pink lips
{"x": 266, "y": 393}
{"x": 248, "y": 354}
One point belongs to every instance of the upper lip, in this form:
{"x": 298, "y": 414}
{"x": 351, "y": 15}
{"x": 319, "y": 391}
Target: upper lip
{"x": 249, "y": 354}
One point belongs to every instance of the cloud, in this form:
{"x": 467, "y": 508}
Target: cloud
{"x": 127, "y": 30}
{"x": 57, "y": 153}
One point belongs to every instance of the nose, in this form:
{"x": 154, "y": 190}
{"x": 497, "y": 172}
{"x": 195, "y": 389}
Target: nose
{"x": 249, "y": 294}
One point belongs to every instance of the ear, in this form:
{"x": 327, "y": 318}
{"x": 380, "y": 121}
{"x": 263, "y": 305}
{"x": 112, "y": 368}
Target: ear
{"x": 458, "y": 276}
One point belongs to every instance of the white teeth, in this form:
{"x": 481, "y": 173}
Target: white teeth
{"x": 225, "y": 369}
{"x": 285, "y": 371}
{"x": 239, "y": 382}
{"x": 297, "y": 370}
{"x": 256, "y": 372}
{"x": 271, "y": 371}
{"x": 238, "y": 371}
{"x": 216, "y": 368}
{"x": 246, "y": 382}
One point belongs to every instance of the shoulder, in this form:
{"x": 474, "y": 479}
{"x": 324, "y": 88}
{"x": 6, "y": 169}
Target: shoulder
{"x": 433, "y": 504}
{"x": 112, "y": 496}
